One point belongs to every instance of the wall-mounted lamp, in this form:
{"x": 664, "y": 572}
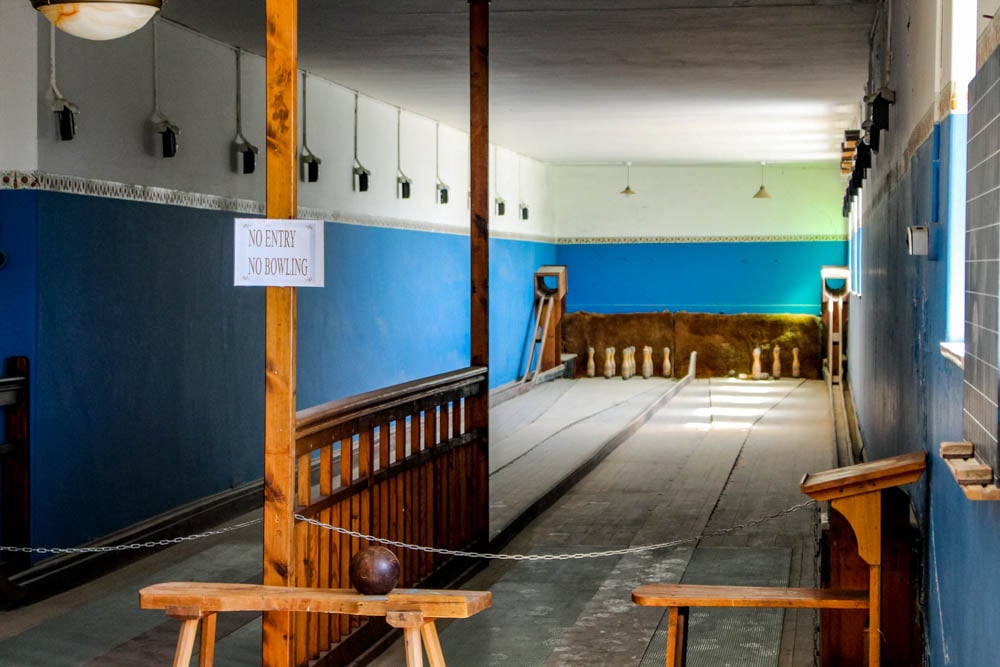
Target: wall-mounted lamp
{"x": 64, "y": 110}
{"x": 500, "y": 202}
{"x": 403, "y": 182}
{"x": 360, "y": 175}
{"x": 522, "y": 207}
{"x": 308, "y": 162}
{"x": 439, "y": 186}
{"x": 762, "y": 193}
{"x": 244, "y": 153}
{"x": 163, "y": 130}
{"x": 98, "y": 19}
{"x": 628, "y": 191}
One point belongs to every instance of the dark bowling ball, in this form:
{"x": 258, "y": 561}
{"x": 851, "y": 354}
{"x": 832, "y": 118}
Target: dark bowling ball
{"x": 374, "y": 571}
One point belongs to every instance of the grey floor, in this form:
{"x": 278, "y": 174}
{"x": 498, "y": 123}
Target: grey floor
{"x": 718, "y": 454}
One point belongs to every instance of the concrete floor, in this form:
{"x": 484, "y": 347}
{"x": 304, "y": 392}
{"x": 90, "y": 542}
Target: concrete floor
{"x": 718, "y": 454}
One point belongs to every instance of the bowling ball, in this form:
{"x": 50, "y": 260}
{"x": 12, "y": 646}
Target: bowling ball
{"x": 374, "y": 571}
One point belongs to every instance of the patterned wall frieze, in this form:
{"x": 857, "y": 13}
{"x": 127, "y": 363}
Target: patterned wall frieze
{"x": 35, "y": 180}
{"x": 700, "y": 239}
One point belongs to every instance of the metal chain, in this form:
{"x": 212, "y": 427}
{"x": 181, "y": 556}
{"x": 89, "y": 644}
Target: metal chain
{"x": 404, "y": 545}
{"x": 546, "y": 557}
{"x": 128, "y": 547}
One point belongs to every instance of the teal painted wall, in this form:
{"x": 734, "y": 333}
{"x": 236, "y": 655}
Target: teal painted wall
{"x": 720, "y": 277}
{"x": 148, "y": 363}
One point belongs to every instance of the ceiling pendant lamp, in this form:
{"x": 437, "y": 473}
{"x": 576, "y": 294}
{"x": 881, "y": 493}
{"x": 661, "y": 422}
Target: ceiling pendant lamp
{"x": 628, "y": 180}
{"x": 98, "y": 19}
{"x": 762, "y": 193}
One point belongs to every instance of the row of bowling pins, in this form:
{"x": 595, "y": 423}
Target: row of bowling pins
{"x": 757, "y": 372}
{"x": 628, "y": 362}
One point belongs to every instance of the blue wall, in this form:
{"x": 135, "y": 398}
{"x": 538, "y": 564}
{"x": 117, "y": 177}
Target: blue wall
{"x": 19, "y": 243}
{"x": 148, "y": 372}
{"x": 733, "y": 277}
{"x": 909, "y": 398}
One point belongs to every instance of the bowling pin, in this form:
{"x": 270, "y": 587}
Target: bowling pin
{"x": 647, "y": 362}
{"x": 776, "y": 366}
{"x": 631, "y": 361}
{"x": 609, "y": 362}
{"x": 667, "y": 369}
{"x": 590, "y": 362}
{"x": 755, "y": 371}
{"x": 795, "y": 362}
{"x": 625, "y": 364}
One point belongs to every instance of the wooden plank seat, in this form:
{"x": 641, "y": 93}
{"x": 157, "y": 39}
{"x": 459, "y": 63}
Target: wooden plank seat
{"x": 679, "y": 598}
{"x": 412, "y": 610}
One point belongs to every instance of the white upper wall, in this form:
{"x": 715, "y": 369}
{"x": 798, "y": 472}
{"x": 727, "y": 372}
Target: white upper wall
{"x": 18, "y": 72}
{"x": 697, "y": 201}
{"x": 112, "y": 82}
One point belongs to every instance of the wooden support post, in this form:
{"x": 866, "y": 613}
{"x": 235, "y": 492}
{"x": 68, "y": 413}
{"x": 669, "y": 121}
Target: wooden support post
{"x": 279, "y": 360}
{"x": 479, "y": 243}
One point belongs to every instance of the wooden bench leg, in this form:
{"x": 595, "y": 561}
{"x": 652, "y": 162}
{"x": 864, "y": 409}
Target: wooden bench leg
{"x": 677, "y": 636}
{"x": 185, "y": 642}
{"x": 411, "y": 622}
{"x": 431, "y": 644}
{"x": 206, "y": 645}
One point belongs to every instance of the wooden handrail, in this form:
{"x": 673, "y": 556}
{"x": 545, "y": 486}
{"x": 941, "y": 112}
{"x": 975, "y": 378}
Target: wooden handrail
{"x": 344, "y": 415}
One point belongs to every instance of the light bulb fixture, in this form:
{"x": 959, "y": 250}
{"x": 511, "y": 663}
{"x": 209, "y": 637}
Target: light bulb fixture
{"x": 439, "y": 186}
{"x": 500, "y": 202}
{"x": 244, "y": 153}
{"x": 360, "y": 175}
{"x": 163, "y": 130}
{"x": 403, "y": 182}
{"x": 522, "y": 208}
{"x": 628, "y": 191}
{"x": 762, "y": 193}
{"x": 98, "y": 19}
{"x": 308, "y": 162}
{"x": 64, "y": 110}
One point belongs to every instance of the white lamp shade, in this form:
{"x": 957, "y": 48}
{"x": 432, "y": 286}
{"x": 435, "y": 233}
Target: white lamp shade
{"x": 98, "y": 20}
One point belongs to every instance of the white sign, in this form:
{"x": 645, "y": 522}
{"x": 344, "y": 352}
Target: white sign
{"x": 278, "y": 253}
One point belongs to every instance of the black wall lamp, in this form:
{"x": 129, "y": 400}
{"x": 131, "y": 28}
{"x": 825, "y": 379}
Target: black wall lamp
{"x": 163, "y": 129}
{"x": 244, "y": 153}
{"x": 308, "y": 162}
{"x": 64, "y": 110}
{"x": 439, "y": 186}
{"x": 360, "y": 174}
{"x": 403, "y": 182}
{"x": 98, "y": 19}
{"x": 500, "y": 202}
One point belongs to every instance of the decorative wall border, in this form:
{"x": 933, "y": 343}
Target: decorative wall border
{"x": 590, "y": 240}
{"x": 36, "y": 180}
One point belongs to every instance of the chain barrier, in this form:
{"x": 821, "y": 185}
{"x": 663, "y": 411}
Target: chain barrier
{"x": 128, "y": 547}
{"x": 405, "y": 545}
{"x": 546, "y": 557}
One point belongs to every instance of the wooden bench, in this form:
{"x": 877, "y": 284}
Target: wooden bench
{"x": 413, "y": 610}
{"x": 856, "y": 498}
{"x": 678, "y": 598}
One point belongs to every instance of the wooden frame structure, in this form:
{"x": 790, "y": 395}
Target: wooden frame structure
{"x": 455, "y": 426}
{"x": 865, "y": 571}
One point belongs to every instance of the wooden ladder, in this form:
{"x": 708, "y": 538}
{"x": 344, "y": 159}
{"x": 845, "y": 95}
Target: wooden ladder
{"x": 540, "y": 331}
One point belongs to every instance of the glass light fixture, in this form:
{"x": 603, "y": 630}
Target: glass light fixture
{"x": 98, "y": 19}
{"x": 762, "y": 193}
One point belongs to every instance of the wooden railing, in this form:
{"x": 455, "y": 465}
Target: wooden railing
{"x": 407, "y": 463}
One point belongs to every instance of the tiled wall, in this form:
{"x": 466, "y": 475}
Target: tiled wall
{"x": 982, "y": 258}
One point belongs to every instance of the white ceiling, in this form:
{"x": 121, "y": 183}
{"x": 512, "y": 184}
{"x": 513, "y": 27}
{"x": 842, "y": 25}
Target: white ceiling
{"x": 588, "y": 81}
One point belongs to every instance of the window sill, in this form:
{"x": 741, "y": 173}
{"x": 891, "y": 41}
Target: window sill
{"x": 954, "y": 352}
